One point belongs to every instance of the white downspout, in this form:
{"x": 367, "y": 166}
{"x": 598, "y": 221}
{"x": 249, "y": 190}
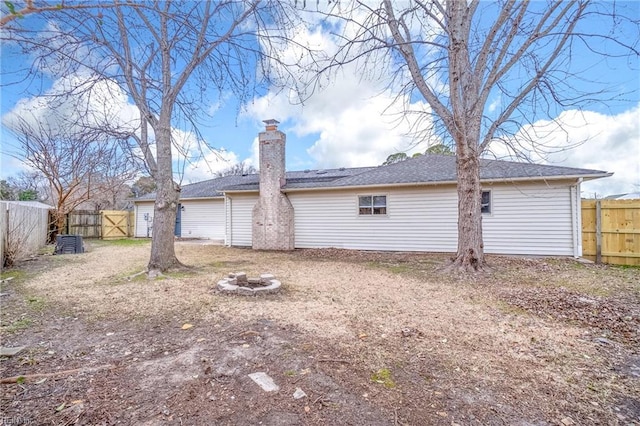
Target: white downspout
{"x": 576, "y": 213}
{"x": 228, "y": 237}
{"x": 579, "y": 208}
{"x": 135, "y": 220}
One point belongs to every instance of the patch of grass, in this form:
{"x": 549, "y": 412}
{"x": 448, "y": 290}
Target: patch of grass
{"x": 14, "y": 274}
{"x": 135, "y": 277}
{"x": 396, "y": 268}
{"x": 399, "y": 269}
{"x": 290, "y": 373}
{"x": 509, "y": 309}
{"x": 137, "y": 274}
{"x": 625, "y": 267}
{"x": 18, "y": 325}
{"x": 36, "y": 303}
{"x": 47, "y": 250}
{"x": 383, "y": 376}
{"x": 124, "y": 242}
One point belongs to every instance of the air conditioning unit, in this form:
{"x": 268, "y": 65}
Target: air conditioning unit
{"x": 69, "y": 244}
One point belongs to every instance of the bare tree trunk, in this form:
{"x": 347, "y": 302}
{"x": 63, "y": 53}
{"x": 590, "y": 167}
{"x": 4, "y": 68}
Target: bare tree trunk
{"x": 59, "y": 216}
{"x": 465, "y": 127}
{"x": 470, "y": 255}
{"x": 163, "y": 255}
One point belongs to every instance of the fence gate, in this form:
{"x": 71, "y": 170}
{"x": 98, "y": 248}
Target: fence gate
{"x": 116, "y": 224}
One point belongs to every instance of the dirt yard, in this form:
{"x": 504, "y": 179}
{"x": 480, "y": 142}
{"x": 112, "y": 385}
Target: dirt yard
{"x": 361, "y": 338}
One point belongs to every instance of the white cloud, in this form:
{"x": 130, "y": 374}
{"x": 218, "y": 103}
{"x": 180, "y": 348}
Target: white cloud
{"x": 12, "y": 166}
{"x": 77, "y": 102}
{"x": 493, "y": 106}
{"x": 208, "y": 164}
{"x": 254, "y": 160}
{"x": 357, "y": 118}
{"x": 590, "y": 140}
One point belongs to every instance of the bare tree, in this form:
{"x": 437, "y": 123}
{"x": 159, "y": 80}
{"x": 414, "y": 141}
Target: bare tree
{"x": 112, "y": 186}
{"x": 242, "y": 168}
{"x": 485, "y": 69}
{"x": 402, "y": 156}
{"x": 70, "y": 161}
{"x": 440, "y": 149}
{"x": 12, "y": 10}
{"x": 170, "y": 58}
{"x": 24, "y": 186}
{"x": 28, "y": 184}
{"x": 396, "y": 158}
{"x": 7, "y": 191}
{"x": 143, "y": 185}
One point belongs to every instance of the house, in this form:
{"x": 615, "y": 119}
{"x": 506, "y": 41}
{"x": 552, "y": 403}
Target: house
{"x": 625, "y": 196}
{"x": 528, "y": 209}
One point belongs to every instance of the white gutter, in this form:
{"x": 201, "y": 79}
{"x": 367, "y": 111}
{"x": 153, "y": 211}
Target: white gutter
{"x": 453, "y": 182}
{"x": 152, "y": 200}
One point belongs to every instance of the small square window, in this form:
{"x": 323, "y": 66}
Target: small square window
{"x": 486, "y": 202}
{"x": 372, "y": 205}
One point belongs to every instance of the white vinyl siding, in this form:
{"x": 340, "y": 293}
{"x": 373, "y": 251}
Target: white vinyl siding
{"x": 416, "y": 220}
{"x": 530, "y": 219}
{"x": 240, "y": 211}
{"x": 202, "y": 219}
{"x": 142, "y": 226}
{"x": 525, "y": 219}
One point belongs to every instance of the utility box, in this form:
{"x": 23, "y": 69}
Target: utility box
{"x": 69, "y": 244}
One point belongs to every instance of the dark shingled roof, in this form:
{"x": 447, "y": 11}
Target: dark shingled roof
{"x": 430, "y": 168}
{"x": 433, "y": 168}
{"x": 207, "y": 188}
{"x": 306, "y": 178}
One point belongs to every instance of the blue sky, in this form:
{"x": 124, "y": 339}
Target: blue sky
{"x": 353, "y": 121}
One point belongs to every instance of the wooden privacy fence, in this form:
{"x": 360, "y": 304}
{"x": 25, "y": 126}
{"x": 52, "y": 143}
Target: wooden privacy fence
{"x": 87, "y": 223}
{"x": 24, "y": 228}
{"x": 611, "y": 231}
{"x": 105, "y": 224}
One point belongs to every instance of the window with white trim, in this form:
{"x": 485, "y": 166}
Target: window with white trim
{"x": 486, "y": 202}
{"x": 372, "y": 205}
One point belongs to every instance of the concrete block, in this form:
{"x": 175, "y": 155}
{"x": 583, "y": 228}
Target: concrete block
{"x": 266, "y": 278}
{"x": 264, "y": 381}
{"x": 11, "y": 351}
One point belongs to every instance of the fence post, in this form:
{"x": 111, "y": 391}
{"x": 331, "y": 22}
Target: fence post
{"x": 4, "y": 232}
{"x": 598, "y": 232}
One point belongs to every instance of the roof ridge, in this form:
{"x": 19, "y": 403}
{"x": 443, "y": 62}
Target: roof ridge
{"x": 531, "y": 163}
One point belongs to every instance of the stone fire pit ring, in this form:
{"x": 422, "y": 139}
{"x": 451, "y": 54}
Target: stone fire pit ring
{"x": 238, "y": 283}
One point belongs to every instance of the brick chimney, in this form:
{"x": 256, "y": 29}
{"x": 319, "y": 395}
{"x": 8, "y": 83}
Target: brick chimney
{"x": 273, "y": 213}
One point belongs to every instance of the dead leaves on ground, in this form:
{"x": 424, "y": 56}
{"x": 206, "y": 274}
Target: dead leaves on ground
{"x": 619, "y": 319}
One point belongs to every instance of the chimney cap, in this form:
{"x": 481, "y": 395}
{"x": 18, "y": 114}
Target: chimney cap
{"x": 271, "y": 124}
